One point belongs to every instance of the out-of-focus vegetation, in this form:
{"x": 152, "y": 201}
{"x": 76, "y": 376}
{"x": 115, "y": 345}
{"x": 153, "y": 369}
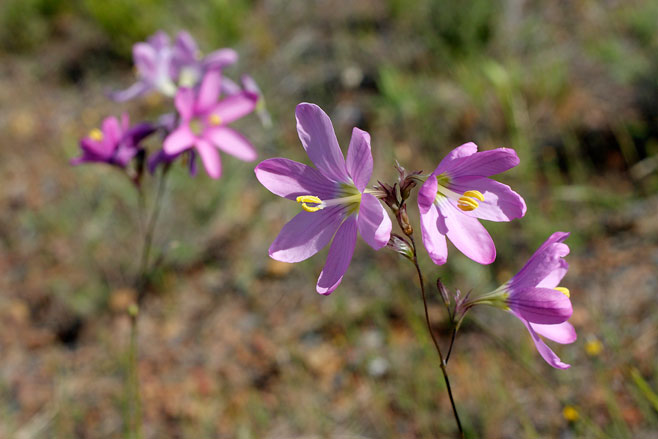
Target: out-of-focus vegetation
{"x": 233, "y": 344}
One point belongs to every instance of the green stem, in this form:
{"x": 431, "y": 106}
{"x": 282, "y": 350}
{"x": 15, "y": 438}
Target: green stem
{"x": 134, "y": 403}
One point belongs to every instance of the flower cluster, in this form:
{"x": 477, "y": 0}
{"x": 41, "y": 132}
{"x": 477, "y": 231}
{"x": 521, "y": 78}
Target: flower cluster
{"x": 337, "y": 206}
{"x": 206, "y": 102}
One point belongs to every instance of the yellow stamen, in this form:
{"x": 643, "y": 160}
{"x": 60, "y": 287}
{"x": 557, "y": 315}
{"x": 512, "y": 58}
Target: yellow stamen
{"x": 564, "y": 291}
{"x": 469, "y": 201}
{"x": 215, "y": 120}
{"x": 303, "y": 199}
{"x": 593, "y": 348}
{"x": 96, "y": 134}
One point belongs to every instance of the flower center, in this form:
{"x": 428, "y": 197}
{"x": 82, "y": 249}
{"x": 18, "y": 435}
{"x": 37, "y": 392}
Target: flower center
{"x": 351, "y": 199}
{"x": 304, "y": 199}
{"x": 96, "y": 135}
{"x": 196, "y": 126}
{"x": 215, "y": 120}
{"x": 468, "y": 201}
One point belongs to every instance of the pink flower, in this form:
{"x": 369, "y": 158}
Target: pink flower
{"x": 534, "y": 297}
{"x": 204, "y": 121}
{"x": 333, "y": 195}
{"x": 458, "y": 193}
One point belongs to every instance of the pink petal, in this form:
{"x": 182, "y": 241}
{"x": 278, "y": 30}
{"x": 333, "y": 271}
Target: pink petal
{"x": 229, "y": 87}
{"x": 339, "y": 257}
{"x": 359, "y": 159}
{"x": 305, "y": 235}
{"x": 231, "y": 142}
{"x": 484, "y": 163}
{"x": 433, "y": 229}
{"x": 210, "y": 158}
{"x": 235, "y": 106}
{"x": 467, "y": 234}
{"x": 464, "y": 150}
{"x": 220, "y": 59}
{"x": 500, "y": 203}
{"x": 546, "y": 267}
{"x": 540, "y": 305}
{"x": 290, "y": 179}
{"x": 547, "y": 354}
{"x": 185, "y": 47}
{"x": 208, "y": 92}
{"x": 563, "y": 333}
{"x": 184, "y": 101}
{"x": 135, "y": 90}
{"x": 179, "y": 140}
{"x": 145, "y": 58}
{"x": 427, "y": 194}
{"x": 111, "y": 131}
{"x": 319, "y": 140}
{"x": 373, "y": 222}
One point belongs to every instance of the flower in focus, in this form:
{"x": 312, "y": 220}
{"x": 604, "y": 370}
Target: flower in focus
{"x": 163, "y": 67}
{"x": 204, "y": 121}
{"x": 116, "y": 143}
{"x": 336, "y": 203}
{"x": 458, "y": 193}
{"x": 534, "y": 297}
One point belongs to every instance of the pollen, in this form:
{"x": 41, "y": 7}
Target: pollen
{"x": 564, "y": 291}
{"x": 96, "y": 135}
{"x": 469, "y": 201}
{"x": 303, "y": 199}
{"x": 215, "y": 120}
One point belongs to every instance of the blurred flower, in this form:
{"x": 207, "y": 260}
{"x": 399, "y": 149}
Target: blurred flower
{"x": 229, "y": 87}
{"x": 333, "y": 195}
{"x": 116, "y": 143}
{"x": 570, "y": 413}
{"x": 457, "y": 193}
{"x": 204, "y": 122}
{"x": 534, "y": 297}
{"x": 163, "y": 67}
{"x": 593, "y": 347}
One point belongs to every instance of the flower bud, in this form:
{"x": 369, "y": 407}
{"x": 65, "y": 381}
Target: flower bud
{"x": 401, "y": 246}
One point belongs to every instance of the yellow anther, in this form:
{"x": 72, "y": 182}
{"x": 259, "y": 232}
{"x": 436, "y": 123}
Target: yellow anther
{"x": 215, "y": 120}
{"x": 469, "y": 201}
{"x": 564, "y": 291}
{"x": 303, "y": 199}
{"x": 474, "y": 194}
{"x": 467, "y": 204}
{"x": 96, "y": 134}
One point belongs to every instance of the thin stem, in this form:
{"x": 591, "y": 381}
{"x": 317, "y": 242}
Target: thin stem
{"x": 436, "y": 343}
{"x": 148, "y": 235}
{"x": 134, "y": 403}
{"x": 452, "y": 342}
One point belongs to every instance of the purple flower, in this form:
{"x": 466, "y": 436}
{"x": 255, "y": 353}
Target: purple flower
{"x": 534, "y": 297}
{"x": 229, "y": 87}
{"x": 333, "y": 195}
{"x": 116, "y": 143}
{"x": 204, "y": 122}
{"x": 163, "y": 67}
{"x": 457, "y": 193}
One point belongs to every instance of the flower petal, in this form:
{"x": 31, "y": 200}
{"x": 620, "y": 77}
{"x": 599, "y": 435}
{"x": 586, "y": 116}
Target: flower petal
{"x": 373, "y": 222}
{"x": 135, "y": 90}
{"x": 235, "y": 106}
{"x": 359, "y": 159}
{"x": 540, "y": 305}
{"x": 184, "y": 101}
{"x": 179, "y": 140}
{"x": 231, "y": 142}
{"x": 339, "y": 257}
{"x": 427, "y": 194}
{"x": 145, "y": 58}
{"x": 546, "y": 353}
{"x": 305, "y": 235}
{"x": 319, "y": 140}
{"x": 483, "y": 163}
{"x": 210, "y": 158}
{"x": 545, "y": 268}
{"x": 111, "y": 132}
{"x": 500, "y": 203}
{"x": 467, "y": 234}
{"x": 230, "y": 87}
{"x": 464, "y": 150}
{"x": 208, "y": 92}
{"x": 185, "y": 48}
{"x": 563, "y": 333}
{"x": 290, "y": 179}
{"x": 220, "y": 59}
{"x": 433, "y": 228}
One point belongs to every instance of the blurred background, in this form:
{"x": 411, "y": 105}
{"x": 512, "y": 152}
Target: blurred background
{"x": 235, "y": 345}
